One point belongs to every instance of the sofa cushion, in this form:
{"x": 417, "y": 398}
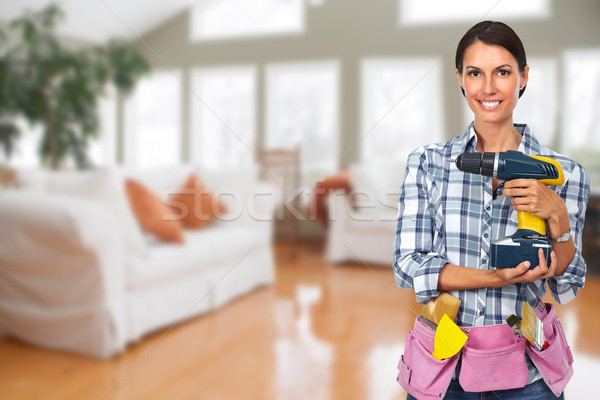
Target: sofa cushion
{"x": 160, "y": 180}
{"x": 101, "y": 185}
{"x": 196, "y": 204}
{"x": 230, "y": 179}
{"x": 154, "y": 216}
{"x": 33, "y": 179}
{"x": 218, "y": 243}
{"x": 234, "y": 187}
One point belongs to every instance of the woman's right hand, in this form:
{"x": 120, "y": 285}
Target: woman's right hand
{"x": 522, "y": 273}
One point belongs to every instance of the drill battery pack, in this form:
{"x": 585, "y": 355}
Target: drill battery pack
{"x": 523, "y": 245}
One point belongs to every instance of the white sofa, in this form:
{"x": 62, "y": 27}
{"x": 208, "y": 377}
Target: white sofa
{"x": 77, "y": 273}
{"x": 362, "y": 223}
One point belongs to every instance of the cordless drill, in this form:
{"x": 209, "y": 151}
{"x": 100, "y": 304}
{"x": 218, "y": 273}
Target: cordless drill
{"x": 524, "y": 244}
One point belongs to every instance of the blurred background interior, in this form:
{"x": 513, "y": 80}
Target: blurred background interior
{"x": 297, "y": 116}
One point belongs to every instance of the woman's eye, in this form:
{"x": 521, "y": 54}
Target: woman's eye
{"x": 474, "y": 74}
{"x": 503, "y": 72}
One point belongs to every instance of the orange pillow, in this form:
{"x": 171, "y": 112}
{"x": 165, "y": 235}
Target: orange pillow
{"x": 196, "y": 204}
{"x": 150, "y": 212}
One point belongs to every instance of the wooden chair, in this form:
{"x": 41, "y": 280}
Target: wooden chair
{"x": 281, "y": 167}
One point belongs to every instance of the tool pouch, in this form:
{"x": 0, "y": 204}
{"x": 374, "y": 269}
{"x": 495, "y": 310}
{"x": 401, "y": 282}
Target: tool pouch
{"x": 420, "y": 374}
{"x": 493, "y": 359}
{"x": 555, "y": 362}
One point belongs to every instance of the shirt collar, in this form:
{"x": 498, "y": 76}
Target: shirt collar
{"x": 529, "y": 143}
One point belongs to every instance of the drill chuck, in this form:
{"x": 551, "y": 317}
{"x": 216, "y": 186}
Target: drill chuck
{"x": 485, "y": 164}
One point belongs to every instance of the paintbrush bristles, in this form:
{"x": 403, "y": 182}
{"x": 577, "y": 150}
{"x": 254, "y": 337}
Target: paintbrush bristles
{"x": 445, "y": 303}
{"x": 532, "y": 327}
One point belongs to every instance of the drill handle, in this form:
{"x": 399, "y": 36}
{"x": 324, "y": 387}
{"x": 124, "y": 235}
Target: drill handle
{"x": 531, "y": 222}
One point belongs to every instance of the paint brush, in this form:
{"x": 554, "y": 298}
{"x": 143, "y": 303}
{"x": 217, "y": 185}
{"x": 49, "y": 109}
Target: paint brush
{"x": 445, "y": 303}
{"x": 530, "y": 327}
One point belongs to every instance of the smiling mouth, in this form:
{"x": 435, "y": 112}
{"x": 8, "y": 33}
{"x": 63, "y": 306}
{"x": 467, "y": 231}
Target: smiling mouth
{"x": 490, "y": 105}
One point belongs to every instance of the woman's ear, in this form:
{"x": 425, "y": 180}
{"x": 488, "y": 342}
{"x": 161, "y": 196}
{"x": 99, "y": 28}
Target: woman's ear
{"x": 460, "y": 78}
{"x": 524, "y": 76}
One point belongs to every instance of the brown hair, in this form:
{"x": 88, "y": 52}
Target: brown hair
{"x": 492, "y": 33}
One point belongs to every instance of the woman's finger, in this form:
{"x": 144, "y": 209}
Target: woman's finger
{"x": 519, "y": 183}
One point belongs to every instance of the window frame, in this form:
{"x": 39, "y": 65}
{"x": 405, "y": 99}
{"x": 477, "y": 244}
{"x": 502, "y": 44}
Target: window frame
{"x": 429, "y": 65}
{"x": 195, "y": 117}
{"x": 307, "y": 173}
{"x": 422, "y": 12}
{"x": 197, "y": 35}
{"x": 131, "y": 143}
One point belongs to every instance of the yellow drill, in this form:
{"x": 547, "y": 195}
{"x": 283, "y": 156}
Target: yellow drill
{"x": 523, "y": 245}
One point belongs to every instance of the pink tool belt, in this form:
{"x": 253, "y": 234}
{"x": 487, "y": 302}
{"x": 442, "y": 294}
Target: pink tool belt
{"x": 493, "y": 358}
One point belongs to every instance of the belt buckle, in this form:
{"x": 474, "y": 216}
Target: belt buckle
{"x": 541, "y": 306}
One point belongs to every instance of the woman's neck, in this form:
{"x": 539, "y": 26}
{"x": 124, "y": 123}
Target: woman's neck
{"x": 496, "y": 137}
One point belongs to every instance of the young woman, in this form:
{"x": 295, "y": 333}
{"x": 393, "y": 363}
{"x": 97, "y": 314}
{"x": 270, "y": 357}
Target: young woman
{"x": 448, "y": 219}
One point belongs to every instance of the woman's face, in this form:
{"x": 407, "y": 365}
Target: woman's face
{"x": 491, "y": 80}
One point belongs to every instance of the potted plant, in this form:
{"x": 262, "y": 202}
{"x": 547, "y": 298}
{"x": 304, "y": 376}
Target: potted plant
{"x": 57, "y": 87}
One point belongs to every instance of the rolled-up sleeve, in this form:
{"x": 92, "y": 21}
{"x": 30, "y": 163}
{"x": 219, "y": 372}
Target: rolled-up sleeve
{"x": 575, "y": 193}
{"x": 416, "y": 265}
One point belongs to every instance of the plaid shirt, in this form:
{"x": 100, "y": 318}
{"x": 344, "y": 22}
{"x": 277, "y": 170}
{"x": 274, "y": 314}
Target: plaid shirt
{"x": 448, "y": 216}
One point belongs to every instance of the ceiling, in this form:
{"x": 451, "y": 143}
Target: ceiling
{"x": 100, "y": 20}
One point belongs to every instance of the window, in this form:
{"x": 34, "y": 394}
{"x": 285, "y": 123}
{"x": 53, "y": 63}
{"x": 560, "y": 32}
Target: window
{"x": 401, "y": 107}
{"x": 414, "y": 12}
{"x": 537, "y": 107}
{"x": 302, "y": 110}
{"x": 102, "y": 150}
{"x": 223, "y": 108}
{"x": 153, "y": 121}
{"x": 581, "y": 120}
{"x": 27, "y": 146}
{"x": 225, "y": 19}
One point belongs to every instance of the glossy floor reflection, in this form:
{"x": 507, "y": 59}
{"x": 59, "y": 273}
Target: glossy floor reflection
{"x": 321, "y": 332}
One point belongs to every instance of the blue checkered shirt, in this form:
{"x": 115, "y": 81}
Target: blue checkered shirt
{"x": 448, "y": 216}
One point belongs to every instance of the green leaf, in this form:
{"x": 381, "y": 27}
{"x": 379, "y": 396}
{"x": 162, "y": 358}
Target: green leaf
{"x": 50, "y": 15}
{"x": 29, "y": 31}
{"x": 47, "y": 83}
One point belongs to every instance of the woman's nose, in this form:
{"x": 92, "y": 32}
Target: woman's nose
{"x": 489, "y": 85}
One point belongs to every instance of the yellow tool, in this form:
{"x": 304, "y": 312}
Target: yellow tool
{"x": 448, "y": 340}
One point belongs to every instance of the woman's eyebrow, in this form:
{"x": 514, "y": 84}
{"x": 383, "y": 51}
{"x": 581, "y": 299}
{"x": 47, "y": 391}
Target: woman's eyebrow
{"x": 498, "y": 67}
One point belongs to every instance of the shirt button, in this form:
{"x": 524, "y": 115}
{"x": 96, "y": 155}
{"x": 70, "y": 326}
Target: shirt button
{"x": 482, "y": 311}
{"x": 484, "y": 260}
{"x": 485, "y": 235}
{"x": 488, "y": 208}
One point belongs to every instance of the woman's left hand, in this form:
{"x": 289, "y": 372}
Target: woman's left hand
{"x": 522, "y": 272}
{"x": 534, "y": 197}
{"x": 543, "y": 270}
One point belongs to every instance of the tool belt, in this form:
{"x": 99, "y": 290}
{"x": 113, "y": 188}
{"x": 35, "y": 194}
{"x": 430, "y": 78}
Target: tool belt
{"x": 493, "y": 358}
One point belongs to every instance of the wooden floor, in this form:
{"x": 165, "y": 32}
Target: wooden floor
{"x": 320, "y": 332}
